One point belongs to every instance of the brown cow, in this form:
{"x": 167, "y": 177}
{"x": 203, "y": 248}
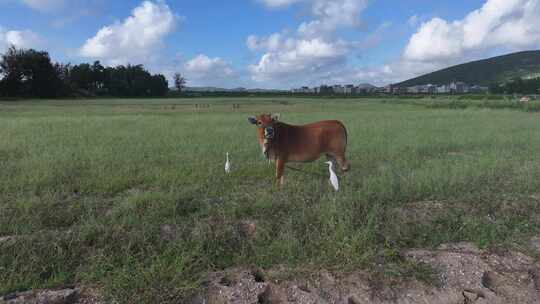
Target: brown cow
{"x": 284, "y": 143}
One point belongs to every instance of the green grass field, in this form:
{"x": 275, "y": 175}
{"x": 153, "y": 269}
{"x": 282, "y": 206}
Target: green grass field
{"x": 131, "y": 195}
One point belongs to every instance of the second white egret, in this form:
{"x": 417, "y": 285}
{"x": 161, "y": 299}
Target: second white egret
{"x": 333, "y": 177}
{"x": 227, "y": 164}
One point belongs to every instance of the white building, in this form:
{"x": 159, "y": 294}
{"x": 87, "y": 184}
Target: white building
{"x": 414, "y": 89}
{"x": 349, "y": 89}
{"x": 303, "y": 90}
{"x": 443, "y": 89}
{"x": 338, "y": 89}
{"x": 459, "y": 87}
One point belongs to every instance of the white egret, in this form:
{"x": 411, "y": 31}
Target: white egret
{"x": 227, "y": 164}
{"x": 333, "y": 176}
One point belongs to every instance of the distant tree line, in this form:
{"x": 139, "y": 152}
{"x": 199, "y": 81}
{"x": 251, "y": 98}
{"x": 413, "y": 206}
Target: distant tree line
{"x": 517, "y": 86}
{"x": 29, "y": 73}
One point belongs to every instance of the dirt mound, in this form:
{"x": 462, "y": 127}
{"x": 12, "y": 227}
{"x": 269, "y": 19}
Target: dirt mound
{"x": 482, "y": 276}
{"x": 467, "y": 275}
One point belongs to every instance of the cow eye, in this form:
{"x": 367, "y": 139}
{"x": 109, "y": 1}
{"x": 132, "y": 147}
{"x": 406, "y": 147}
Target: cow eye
{"x": 259, "y": 123}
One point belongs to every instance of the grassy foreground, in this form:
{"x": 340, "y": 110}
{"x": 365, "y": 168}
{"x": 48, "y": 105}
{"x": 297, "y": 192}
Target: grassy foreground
{"x": 131, "y": 195}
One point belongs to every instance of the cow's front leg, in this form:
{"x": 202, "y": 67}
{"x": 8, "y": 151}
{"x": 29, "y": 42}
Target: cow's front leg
{"x": 280, "y": 167}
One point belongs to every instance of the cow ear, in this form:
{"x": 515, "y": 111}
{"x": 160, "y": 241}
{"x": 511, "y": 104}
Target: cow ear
{"x": 276, "y": 116}
{"x": 252, "y": 120}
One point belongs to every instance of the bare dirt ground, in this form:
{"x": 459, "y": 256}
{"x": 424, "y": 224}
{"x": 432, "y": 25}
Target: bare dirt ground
{"x": 466, "y": 275}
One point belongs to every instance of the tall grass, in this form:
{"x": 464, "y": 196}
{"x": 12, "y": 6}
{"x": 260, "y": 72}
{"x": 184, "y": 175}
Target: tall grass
{"x": 88, "y": 187}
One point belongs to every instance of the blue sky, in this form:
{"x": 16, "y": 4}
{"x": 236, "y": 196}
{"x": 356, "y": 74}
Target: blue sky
{"x": 274, "y": 43}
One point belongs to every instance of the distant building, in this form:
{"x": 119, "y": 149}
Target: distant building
{"x": 303, "y": 90}
{"x": 443, "y": 89}
{"x": 456, "y": 87}
{"x": 366, "y": 89}
{"x": 324, "y": 89}
{"x": 430, "y": 89}
{"x": 399, "y": 90}
{"x": 338, "y": 89}
{"x": 459, "y": 87}
{"x": 387, "y": 89}
{"x": 349, "y": 89}
{"x": 414, "y": 89}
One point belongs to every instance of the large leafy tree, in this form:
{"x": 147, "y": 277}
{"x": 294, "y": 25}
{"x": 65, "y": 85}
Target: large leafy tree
{"x": 29, "y": 73}
{"x": 12, "y": 72}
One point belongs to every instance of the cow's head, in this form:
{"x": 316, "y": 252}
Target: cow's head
{"x": 266, "y": 130}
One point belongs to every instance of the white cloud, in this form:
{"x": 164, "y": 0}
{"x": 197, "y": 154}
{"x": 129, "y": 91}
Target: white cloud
{"x": 505, "y": 24}
{"x": 136, "y": 39}
{"x": 298, "y": 58}
{"x": 202, "y": 64}
{"x": 380, "y": 75}
{"x": 498, "y": 26}
{"x": 274, "y": 42}
{"x": 45, "y": 5}
{"x": 205, "y": 71}
{"x": 436, "y": 40}
{"x": 372, "y": 75}
{"x": 314, "y": 51}
{"x": 20, "y": 39}
{"x": 400, "y": 70}
{"x": 328, "y": 14}
{"x": 331, "y": 15}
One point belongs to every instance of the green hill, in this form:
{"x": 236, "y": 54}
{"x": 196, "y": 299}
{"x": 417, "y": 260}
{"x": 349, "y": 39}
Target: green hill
{"x": 484, "y": 72}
